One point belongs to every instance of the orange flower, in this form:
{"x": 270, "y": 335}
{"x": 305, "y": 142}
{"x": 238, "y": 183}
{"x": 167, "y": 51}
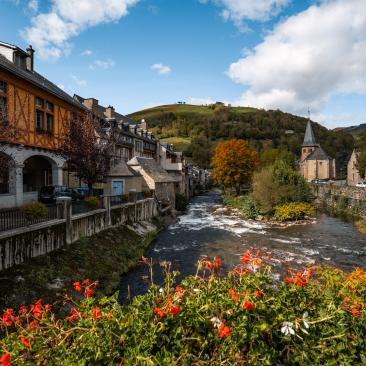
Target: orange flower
{"x": 47, "y": 308}
{"x": 77, "y": 286}
{"x": 224, "y": 331}
{"x": 88, "y": 292}
{"x": 233, "y": 294}
{"x": 97, "y": 313}
{"x": 34, "y": 324}
{"x": 25, "y": 342}
{"x": 110, "y": 314}
{"x": 217, "y": 262}
{"x": 5, "y": 359}
{"x": 159, "y": 312}
{"x": 86, "y": 282}
{"x": 175, "y": 310}
{"x": 355, "y": 311}
{"x": 257, "y": 261}
{"x": 209, "y": 265}
{"x": 258, "y": 293}
{"x": 248, "y": 305}
{"x": 180, "y": 292}
{"x": 246, "y": 257}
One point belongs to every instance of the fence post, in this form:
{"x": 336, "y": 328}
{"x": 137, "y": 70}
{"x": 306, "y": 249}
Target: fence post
{"x": 64, "y": 209}
{"x": 107, "y": 206}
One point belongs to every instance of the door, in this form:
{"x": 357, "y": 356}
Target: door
{"x": 118, "y": 187}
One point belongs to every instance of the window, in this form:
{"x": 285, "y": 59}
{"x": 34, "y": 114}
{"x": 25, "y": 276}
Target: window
{"x": 44, "y": 115}
{"x": 19, "y": 60}
{"x": 3, "y": 101}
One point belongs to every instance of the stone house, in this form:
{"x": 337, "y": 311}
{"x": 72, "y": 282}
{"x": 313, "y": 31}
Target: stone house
{"x": 155, "y": 178}
{"x": 353, "y": 174}
{"x": 314, "y": 162}
{"x": 38, "y": 110}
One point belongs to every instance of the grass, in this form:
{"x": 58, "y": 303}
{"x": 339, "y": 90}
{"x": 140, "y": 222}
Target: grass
{"x": 180, "y": 143}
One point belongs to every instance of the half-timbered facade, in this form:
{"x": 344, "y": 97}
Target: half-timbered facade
{"x": 35, "y": 112}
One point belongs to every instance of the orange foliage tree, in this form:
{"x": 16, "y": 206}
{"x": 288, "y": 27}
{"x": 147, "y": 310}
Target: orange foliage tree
{"x": 234, "y": 162}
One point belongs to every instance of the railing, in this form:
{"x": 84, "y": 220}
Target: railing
{"x": 15, "y": 218}
{"x": 79, "y": 207}
{"x": 119, "y": 200}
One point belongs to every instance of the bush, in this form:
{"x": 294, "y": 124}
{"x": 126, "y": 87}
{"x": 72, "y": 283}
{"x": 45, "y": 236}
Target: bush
{"x": 35, "y": 211}
{"x": 92, "y": 202}
{"x": 181, "y": 202}
{"x": 245, "y": 204}
{"x": 312, "y": 317}
{"x": 293, "y": 211}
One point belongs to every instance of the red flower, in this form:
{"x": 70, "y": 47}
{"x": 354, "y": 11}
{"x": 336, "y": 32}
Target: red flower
{"x": 224, "y": 331}
{"x": 110, "y": 314}
{"x": 180, "y": 292}
{"x": 25, "y": 342}
{"x": 37, "y": 309}
{"x": 97, "y": 313}
{"x": 175, "y": 310}
{"x": 159, "y": 312}
{"x": 246, "y": 257}
{"x": 34, "y": 324}
{"x": 23, "y": 310}
{"x": 77, "y": 286}
{"x": 258, "y": 293}
{"x": 88, "y": 292}
{"x": 355, "y": 311}
{"x": 86, "y": 282}
{"x": 74, "y": 315}
{"x": 5, "y": 359}
{"x": 209, "y": 265}
{"x": 248, "y": 305}
{"x": 232, "y": 293}
{"x": 288, "y": 280}
{"x": 217, "y": 262}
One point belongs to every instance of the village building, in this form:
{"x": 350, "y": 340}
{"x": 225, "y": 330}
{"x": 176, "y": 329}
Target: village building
{"x": 37, "y": 110}
{"x": 314, "y": 162}
{"x": 353, "y": 174}
{"x": 155, "y": 178}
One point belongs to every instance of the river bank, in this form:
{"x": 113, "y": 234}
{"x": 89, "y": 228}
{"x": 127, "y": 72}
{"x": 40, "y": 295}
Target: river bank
{"x": 103, "y": 257}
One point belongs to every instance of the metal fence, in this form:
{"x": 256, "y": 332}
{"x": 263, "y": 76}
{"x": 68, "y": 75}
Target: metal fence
{"x": 15, "y": 218}
{"x": 79, "y": 207}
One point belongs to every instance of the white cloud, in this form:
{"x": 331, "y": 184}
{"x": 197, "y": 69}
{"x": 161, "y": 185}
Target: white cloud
{"x": 78, "y": 81}
{"x": 200, "y": 101}
{"x": 240, "y": 10}
{"x": 33, "y": 5}
{"x": 308, "y": 58}
{"x": 87, "y": 53}
{"x": 102, "y": 64}
{"x": 161, "y": 69}
{"x": 50, "y": 32}
{"x": 61, "y": 86}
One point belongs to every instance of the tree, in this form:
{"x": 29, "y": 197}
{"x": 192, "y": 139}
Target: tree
{"x": 201, "y": 148}
{"x": 89, "y": 149}
{"x": 234, "y": 163}
{"x": 270, "y": 156}
{"x": 361, "y": 149}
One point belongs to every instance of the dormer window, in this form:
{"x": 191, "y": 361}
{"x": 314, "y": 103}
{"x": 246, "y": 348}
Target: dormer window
{"x": 19, "y": 60}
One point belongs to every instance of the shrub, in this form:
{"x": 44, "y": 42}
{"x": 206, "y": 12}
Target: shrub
{"x": 312, "y": 317}
{"x": 245, "y": 204}
{"x": 181, "y": 202}
{"x": 293, "y": 211}
{"x": 35, "y": 211}
{"x": 92, "y": 202}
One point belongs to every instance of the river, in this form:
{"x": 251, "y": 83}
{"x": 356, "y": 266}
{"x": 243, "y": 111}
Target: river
{"x": 207, "y": 231}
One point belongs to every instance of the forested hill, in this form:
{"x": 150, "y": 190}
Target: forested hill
{"x": 196, "y": 129}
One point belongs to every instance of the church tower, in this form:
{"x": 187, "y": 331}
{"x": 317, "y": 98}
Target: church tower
{"x": 309, "y": 145}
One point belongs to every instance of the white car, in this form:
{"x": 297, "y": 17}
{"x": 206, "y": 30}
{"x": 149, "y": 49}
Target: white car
{"x": 361, "y": 185}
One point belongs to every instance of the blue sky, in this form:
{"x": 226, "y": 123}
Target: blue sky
{"x": 132, "y": 54}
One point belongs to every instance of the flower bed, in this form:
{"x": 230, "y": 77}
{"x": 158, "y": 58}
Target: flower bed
{"x": 311, "y": 317}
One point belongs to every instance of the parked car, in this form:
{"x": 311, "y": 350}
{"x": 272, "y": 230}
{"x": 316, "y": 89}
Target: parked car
{"x": 361, "y": 185}
{"x": 48, "y": 194}
{"x": 319, "y": 181}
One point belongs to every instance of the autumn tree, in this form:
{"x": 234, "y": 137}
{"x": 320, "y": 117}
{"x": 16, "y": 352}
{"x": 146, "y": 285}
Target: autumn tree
{"x": 234, "y": 163}
{"x": 88, "y": 147}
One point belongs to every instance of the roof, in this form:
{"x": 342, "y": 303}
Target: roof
{"x": 152, "y": 169}
{"x": 309, "y": 138}
{"x": 318, "y": 154}
{"x": 38, "y": 80}
{"x": 121, "y": 169}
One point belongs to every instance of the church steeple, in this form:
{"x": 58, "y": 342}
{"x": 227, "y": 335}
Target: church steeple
{"x": 309, "y": 138}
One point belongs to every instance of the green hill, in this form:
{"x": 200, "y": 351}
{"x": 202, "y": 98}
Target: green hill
{"x": 197, "y": 129}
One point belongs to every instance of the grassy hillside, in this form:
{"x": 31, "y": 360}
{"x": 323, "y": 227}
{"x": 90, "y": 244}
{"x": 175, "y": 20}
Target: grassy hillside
{"x": 205, "y": 126}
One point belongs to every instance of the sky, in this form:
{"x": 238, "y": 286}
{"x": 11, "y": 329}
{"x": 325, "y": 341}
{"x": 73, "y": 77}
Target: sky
{"x": 290, "y": 55}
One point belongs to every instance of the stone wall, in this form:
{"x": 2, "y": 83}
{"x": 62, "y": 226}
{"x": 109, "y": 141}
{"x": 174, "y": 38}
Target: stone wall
{"x": 19, "y": 245}
{"x": 352, "y": 197}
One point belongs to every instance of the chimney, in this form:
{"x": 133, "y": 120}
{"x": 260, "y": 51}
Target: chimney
{"x": 143, "y": 125}
{"x": 30, "y": 58}
{"x": 92, "y": 104}
{"x": 109, "y": 112}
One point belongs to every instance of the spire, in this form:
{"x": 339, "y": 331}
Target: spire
{"x": 309, "y": 139}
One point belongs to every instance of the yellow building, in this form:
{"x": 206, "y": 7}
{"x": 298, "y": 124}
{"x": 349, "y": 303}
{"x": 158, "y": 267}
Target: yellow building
{"x": 314, "y": 162}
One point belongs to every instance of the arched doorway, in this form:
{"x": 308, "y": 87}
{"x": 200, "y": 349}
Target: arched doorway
{"x": 37, "y": 172}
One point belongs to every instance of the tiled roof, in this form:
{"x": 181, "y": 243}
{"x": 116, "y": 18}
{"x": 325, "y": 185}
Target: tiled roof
{"x": 318, "y": 154}
{"x": 152, "y": 169}
{"x": 38, "y": 80}
{"x": 121, "y": 169}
